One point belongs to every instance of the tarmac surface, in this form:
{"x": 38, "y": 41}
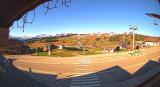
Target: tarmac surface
{"x": 85, "y": 64}
{"x": 86, "y": 71}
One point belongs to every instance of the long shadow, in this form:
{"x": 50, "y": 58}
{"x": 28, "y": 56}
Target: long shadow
{"x": 14, "y": 77}
{"x": 147, "y": 67}
{"x": 17, "y": 78}
{"x": 113, "y": 74}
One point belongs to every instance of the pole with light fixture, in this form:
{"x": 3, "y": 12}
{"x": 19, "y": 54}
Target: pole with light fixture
{"x": 133, "y": 28}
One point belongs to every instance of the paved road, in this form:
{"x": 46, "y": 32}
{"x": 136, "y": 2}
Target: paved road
{"x": 86, "y": 64}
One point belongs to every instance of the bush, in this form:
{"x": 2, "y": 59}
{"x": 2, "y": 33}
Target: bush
{"x": 117, "y": 49}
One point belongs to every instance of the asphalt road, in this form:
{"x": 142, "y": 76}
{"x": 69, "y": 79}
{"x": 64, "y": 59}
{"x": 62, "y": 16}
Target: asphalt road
{"x": 85, "y": 64}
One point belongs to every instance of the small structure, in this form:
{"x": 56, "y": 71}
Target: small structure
{"x": 45, "y": 48}
{"x": 48, "y": 47}
{"x": 61, "y": 47}
{"x": 150, "y": 42}
{"x": 109, "y": 49}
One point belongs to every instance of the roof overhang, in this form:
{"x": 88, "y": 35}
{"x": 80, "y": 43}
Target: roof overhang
{"x": 153, "y": 15}
{"x": 12, "y": 10}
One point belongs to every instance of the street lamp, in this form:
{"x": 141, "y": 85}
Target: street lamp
{"x": 133, "y": 28}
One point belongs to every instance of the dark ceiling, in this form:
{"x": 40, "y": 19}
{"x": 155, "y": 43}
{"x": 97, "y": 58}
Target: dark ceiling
{"x": 12, "y": 10}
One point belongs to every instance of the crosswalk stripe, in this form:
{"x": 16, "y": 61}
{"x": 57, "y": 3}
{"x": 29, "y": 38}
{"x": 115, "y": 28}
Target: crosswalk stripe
{"x": 87, "y": 77}
{"x": 88, "y": 85}
{"x": 85, "y": 81}
{"x": 79, "y": 80}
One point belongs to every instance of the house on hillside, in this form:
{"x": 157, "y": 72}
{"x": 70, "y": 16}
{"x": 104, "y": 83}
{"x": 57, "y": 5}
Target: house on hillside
{"x": 123, "y": 45}
{"x": 150, "y": 42}
{"x": 45, "y": 48}
{"x": 109, "y": 49}
{"x": 50, "y": 46}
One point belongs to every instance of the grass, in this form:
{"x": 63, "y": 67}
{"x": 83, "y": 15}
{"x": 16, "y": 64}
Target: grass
{"x": 67, "y": 52}
{"x": 56, "y": 54}
{"x": 63, "y": 55}
{"x": 89, "y": 53}
{"x": 73, "y": 49}
{"x": 42, "y": 54}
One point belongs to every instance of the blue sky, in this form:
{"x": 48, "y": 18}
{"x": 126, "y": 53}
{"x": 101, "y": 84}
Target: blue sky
{"x": 89, "y": 16}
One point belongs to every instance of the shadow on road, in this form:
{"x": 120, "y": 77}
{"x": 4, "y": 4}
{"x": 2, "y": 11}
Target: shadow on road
{"x": 14, "y": 77}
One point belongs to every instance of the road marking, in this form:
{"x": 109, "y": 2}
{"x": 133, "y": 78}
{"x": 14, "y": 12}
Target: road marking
{"x": 85, "y": 81}
{"x": 40, "y": 71}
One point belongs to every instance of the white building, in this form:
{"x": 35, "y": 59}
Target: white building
{"x": 152, "y": 43}
{"x": 61, "y": 47}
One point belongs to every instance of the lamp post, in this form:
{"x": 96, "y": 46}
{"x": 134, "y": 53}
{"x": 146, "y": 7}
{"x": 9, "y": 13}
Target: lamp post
{"x": 133, "y": 28}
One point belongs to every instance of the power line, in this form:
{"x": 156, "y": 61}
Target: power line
{"x": 51, "y": 4}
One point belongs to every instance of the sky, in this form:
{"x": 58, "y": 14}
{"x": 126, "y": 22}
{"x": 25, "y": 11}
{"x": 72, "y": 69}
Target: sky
{"x": 91, "y": 16}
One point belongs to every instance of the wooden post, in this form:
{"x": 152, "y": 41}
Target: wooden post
{"x": 4, "y": 36}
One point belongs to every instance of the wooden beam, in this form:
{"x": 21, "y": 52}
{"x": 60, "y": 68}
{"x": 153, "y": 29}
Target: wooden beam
{"x": 24, "y": 10}
{"x": 4, "y": 35}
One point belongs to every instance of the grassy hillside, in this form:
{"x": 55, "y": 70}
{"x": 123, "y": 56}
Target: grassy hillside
{"x": 90, "y": 41}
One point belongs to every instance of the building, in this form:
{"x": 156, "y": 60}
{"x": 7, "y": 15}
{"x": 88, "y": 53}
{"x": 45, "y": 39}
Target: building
{"x": 150, "y": 42}
{"x": 60, "y": 46}
{"x": 45, "y": 48}
{"x": 109, "y": 50}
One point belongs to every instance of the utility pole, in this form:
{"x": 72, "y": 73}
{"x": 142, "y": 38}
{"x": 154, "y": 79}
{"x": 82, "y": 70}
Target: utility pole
{"x": 133, "y": 28}
{"x": 82, "y": 44}
{"x": 36, "y": 51}
{"x": 84, "y": 50}
{"x": 49, "y": 50}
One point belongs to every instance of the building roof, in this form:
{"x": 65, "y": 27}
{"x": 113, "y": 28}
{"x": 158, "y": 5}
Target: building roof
{"x": 155, "y": 15}
{"x": 10, "y": 11}
{"x": 151, "y": 39}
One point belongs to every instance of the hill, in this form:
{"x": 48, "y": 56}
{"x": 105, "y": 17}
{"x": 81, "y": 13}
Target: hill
{"x": 90, "y": 41}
